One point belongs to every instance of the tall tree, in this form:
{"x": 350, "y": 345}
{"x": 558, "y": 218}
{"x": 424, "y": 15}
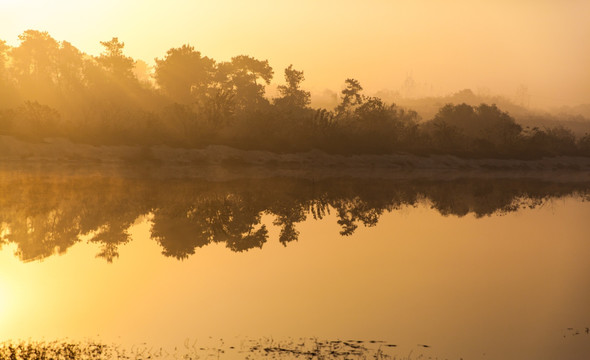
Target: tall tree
{"x": 7, "y": 93}
{"x": 36, "y": 56}
{"x": 240, "y": 77}
{"x": 70, "y": 63}
{"x": 291, "y": 94}
{"x": 113, "y": 60}
{"x": 351, "y": 96}
{"x": 34, "y": 66}
{"x": 184, "y": 75}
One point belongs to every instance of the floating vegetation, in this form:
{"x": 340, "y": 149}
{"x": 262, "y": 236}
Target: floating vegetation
{"x": 575, "y": 331}
{"x": 302, "y": 348}
{"x": 55, "y": 350}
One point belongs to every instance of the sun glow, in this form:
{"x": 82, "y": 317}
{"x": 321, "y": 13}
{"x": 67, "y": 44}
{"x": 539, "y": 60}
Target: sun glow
{"x": 6, "y": 288}
{"x": 4, "y": 305}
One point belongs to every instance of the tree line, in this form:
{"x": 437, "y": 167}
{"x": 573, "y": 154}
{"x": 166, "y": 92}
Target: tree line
{"x": 49, "y": 88}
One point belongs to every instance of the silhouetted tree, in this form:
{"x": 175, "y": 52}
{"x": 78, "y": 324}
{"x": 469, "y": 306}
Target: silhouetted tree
{"x": 36, "y": 56}
{"x": 550, "y": 141}
{"x": 466, "y": 129}
{"x": 384, "y": 127}
{"x": 184, "y": 75}
{"x": 113, "y": 60}
{"x": 291, "y": 94}
{"x": 34, "y": 65}
{"x": 351, "y": 95}
{"x": 240, "y": 78}
{"x": 7, "y": 89}
{"x": 70, "y": 65}
{"x": 110, "y": 99}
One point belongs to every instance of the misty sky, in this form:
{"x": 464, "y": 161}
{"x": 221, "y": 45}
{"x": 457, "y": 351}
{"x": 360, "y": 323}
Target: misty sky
{"x": 493, "y": 46}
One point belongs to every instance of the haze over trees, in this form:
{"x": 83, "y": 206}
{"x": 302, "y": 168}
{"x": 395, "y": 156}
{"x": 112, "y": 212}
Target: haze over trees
{"x": 48, "y": 88}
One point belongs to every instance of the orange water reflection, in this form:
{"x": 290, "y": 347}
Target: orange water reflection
{"x": 506, "y": 285}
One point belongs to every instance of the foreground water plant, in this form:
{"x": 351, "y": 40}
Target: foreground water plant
{"x": 306, "y": 348}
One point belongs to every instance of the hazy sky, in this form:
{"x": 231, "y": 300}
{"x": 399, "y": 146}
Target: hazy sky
{"x": 450, "y": 45}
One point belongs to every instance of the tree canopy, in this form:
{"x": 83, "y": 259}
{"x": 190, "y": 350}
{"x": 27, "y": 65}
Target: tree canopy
{"x": 49, "y": 88}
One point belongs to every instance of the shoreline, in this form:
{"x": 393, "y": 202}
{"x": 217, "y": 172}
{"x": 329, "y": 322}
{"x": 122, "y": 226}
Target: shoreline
{"x": 223, "y": 161}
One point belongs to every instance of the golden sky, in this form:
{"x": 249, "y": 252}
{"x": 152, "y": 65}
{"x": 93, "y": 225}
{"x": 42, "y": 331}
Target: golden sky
{"x": 494, "y": 46}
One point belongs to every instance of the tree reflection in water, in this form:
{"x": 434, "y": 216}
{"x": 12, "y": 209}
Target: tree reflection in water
{"x": 45, "y": 215}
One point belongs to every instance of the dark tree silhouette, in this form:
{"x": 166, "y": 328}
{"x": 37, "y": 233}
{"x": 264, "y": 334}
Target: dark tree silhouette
{"x": 184, "y": 75}
{"x": 351, "y": 95}
{"x": 51, "y": 89}
{"x": 484, "y": 129}
{"x": 36, "y": 56}
{"x": 113, "y": 60}
{"x": 8, "y": 92}
{"x": 291, "y": 94}
{"x": 70, "y": 67}
{"x": 240, "y": 78}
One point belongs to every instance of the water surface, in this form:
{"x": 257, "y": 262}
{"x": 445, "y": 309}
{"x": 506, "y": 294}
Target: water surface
{"x": 473, "y": 268}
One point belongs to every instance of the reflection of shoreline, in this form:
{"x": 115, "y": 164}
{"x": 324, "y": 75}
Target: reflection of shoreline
{"x": 46, "y": 212}
{"x": 60, "y": 152}
{"x": 225, "y": 172}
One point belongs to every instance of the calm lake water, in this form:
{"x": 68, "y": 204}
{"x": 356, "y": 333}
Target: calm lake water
{"x": 473, "y": 268}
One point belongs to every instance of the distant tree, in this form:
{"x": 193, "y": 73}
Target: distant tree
{"x": 464, "y": 96}
{"x": 113, "y": 60}
{"x": 7, "y": 91}
{"x": 446, "y": 138}
{"x": 291, "y": 94}
{"x": 70, "y": 66}
{"x": 36, "y": 56}
{"x": 34, "y": 66}
{"x": 484, "y": 123}
{"x": 351, "y": 96}
{"x": 44, "y": 70}
{"x": 382, "y": 127}
{"x": 240, "y": 78}
{"x": 184, "y": 75}
{"x": 373, "y": 109}
{"x": 551, "y": 141}
{"x": 497, "y": 126}
{"x": 113, "y": 84}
